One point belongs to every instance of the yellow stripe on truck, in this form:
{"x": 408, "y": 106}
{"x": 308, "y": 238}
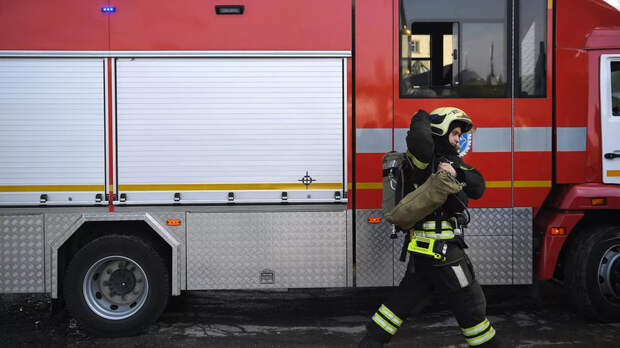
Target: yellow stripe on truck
{"x": 518, "y": 184}
{"x": 533, "y": 183}
{"x": 369, "y": 185}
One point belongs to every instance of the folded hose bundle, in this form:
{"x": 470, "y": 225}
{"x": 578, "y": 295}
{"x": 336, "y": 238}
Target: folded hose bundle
{"x": 423, "y": 200}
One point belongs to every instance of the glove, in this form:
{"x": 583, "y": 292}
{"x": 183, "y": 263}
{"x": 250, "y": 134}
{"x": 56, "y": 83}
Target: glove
{"x": 419, "y": 137}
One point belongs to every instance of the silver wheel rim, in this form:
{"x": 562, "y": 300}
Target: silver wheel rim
{"x": 609, "y": 274}
{"x": 115, "y": 287}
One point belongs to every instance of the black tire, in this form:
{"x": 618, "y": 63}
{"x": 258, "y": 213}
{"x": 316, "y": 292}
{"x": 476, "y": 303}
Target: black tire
{"x": 593, "y": 273}
{"x": 116, "y": 285}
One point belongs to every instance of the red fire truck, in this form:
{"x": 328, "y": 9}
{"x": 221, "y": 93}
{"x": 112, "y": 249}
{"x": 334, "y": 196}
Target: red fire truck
{"x": 154, "y": 147}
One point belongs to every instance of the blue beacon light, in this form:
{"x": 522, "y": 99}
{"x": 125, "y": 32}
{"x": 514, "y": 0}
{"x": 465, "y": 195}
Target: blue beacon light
{"x": 108, "y": 9}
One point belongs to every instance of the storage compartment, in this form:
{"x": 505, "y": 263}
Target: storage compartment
{"x": 52, "y": 119}
{"x": 234, "y": 130}
{"x": 256, "y": 250}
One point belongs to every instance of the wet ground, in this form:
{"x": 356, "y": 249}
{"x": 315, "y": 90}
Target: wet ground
{"x": 524, "y": 316}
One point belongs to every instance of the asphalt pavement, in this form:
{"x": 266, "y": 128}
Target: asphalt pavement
{"x": 524, "y": 316}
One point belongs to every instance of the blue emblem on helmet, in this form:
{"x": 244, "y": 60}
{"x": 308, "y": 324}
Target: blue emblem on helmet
{"x": 464, "y": 144}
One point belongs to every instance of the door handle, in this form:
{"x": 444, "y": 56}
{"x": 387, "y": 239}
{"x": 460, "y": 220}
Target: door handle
{"x": 612, "y": 155}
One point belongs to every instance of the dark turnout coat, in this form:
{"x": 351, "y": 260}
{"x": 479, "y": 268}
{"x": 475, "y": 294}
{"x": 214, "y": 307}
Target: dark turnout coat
{"x": 425, "y": 152}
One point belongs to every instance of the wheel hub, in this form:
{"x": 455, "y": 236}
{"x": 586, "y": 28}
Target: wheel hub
{"x": 609, "y": 274}
{"x": 115, "y": 287}
{"x": 121, "y": 282}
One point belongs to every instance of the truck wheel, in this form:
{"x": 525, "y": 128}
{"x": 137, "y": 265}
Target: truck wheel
{"x": 116, "y": 285}
{"x": 593, "y": 274}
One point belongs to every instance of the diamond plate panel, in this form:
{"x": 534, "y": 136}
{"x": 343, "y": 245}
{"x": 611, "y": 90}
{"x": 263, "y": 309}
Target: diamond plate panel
{"x": 21, "y": 253}
{"x": 499, "y": 256}
{"x": 178, "y": 232}
{"x": 374, "y": 251}
{"x": 492, "y": 258}
{"x": 522, "y": 246}
{"x": 490, "y": 222}
{"x": 55, "y": 226}
{"x": 230, "y": 250}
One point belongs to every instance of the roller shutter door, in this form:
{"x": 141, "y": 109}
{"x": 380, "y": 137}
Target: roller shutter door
{"x": 211, "y": 130}
{"x": 51, "y": 131}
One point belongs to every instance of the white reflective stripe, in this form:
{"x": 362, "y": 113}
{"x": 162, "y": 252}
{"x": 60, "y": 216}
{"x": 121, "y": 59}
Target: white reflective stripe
{"x": 493, "y": 139}
{"x": 388, "y": 313}
{"x": 476, "y": 329}
{"x": 400, "y": 142}
{"x": 430, "y": 225}
{"x": 481, "y": 339}
{"x": 373, "y": 140}
{"x": 386, "y": 326}
{"x": 460, "y": 275}
{"x": 443, "y": 235}
{"x": 484, "y": 139}
{"x": 534, "y": 139}
{"x": 571, "y": 139}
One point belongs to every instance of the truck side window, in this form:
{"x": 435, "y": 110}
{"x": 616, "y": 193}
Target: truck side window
{"x": 615, "y": 88}
{"x": 532, "y": 40}
{"x": 453, "y": 48}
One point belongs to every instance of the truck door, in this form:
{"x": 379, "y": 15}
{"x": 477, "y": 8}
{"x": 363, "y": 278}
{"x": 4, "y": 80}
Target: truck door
{"x": 610, "y": 117}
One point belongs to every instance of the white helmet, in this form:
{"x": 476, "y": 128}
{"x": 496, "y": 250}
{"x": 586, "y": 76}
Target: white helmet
{"x": 441, "y": 119}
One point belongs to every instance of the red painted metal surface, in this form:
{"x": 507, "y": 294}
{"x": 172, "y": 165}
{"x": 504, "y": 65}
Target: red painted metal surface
{"x": 593, "y": 171}
{"x": 603, "y": 38}
{"x": 576, "y": 18}
{"x": 569, "y": 167}
{"x": 367, "y": 199}
{"x": 583, "y": 28}
{"x": 373, "y": 53}
{"x": 532, "y": 177}
{"x": 498, "y": 191}
{"x": 373, "y": 90}
{"x": 571, "y": 109}
{"x": 578, "y": 197}
{"x": 53, "y": 25}
{"x": 552, "y": 244}
{"x": 264, "y": 25}
{"x": 169, "y": 25}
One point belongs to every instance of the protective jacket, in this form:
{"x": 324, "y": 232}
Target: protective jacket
{"x": 425, "y": 152}
{"x": 453, "y": 277}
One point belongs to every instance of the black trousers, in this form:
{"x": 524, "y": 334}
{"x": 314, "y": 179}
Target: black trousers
{"x": 455, "y": 283}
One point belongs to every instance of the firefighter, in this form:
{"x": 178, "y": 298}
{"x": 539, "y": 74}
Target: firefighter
{"x": 432, "y": 143}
